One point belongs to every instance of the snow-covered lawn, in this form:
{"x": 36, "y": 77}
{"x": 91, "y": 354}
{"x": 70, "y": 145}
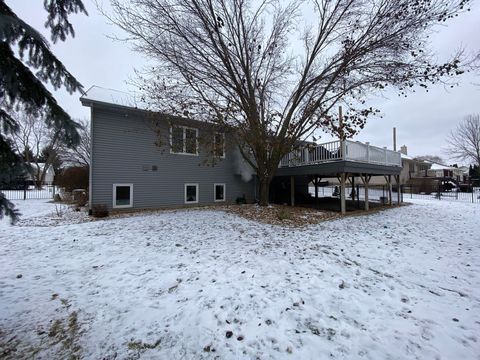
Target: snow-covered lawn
{"x": 397, "y": 284}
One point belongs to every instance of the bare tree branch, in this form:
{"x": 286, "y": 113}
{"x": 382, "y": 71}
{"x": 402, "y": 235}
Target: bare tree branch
{"x": 248, "y": 65}
{"x": 79, "y": 155}
{"x": 37, "y": 143}
{"x": 464, "y": 141}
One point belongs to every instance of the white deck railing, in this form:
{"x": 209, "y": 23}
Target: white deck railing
{"x": 336, "y": 151}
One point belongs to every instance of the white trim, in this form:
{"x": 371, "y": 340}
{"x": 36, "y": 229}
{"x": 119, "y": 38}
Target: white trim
{"x": 185, "y": 193}
{"x": 215, "y": 192}
{"x": 184, "y": 140}
{"x": 114, "y": 197}
{"x": 223, "y": 134}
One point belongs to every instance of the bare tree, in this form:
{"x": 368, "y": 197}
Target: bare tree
{"x": 38, "y": 144}
{"x": 79, "y": 155}
{"x": 464, "y": 141}
{"x": 250, "y": 66}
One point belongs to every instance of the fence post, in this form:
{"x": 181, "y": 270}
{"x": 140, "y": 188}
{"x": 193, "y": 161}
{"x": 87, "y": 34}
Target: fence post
{"x": 53, "y": 192}
{"x": 472, "y": 194}
{"x": 25, "y": 192}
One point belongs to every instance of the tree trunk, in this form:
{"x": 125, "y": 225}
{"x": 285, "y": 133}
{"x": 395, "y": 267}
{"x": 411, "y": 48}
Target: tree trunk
{"x": 264, "y": 195}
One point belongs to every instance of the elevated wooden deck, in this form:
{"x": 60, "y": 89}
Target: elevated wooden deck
{"x": 345, "y": 160}
{"x": 335, "y": 157}
{"x": 338, "y": 151}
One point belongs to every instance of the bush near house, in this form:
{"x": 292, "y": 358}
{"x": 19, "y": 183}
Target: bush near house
{"x": 99, "y": 211}
{"x": 73, "y": 178}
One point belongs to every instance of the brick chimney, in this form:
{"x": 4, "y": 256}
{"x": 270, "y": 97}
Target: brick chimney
{"x": 403, "y": 150}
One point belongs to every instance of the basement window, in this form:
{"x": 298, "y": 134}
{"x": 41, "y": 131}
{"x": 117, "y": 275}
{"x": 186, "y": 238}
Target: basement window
{"x": 122, "y": 196}
{"x": 219, "y": 192}
{"x": 191, "y": 193}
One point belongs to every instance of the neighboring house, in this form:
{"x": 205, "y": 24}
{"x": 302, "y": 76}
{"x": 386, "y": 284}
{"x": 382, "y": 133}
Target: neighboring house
{"x": 410, "y": 167}
{"x": 441, "y": 172}
{"x": 49, "y": 174}
{"x": 142, "y": 159}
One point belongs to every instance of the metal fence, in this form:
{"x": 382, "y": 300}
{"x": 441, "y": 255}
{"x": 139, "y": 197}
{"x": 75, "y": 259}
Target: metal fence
{"x": 379, "y": 193}
{"x": 439, "y": 193}
{"x": 31, "y": 192}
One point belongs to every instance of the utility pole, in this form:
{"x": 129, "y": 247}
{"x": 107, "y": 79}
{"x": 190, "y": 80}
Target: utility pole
{"x": 394, "y": 139}
{"x": 343, "y": 205}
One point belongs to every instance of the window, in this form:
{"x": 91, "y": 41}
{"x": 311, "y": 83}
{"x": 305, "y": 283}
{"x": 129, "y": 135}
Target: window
{"x": 190, "y": 141}
{"x": 191, "y": 193}
{"x": 122, "y": 196}
{"x": 184, "y": 140}
{"x": 219, "y": 192}
{"x": 219, "y": 145}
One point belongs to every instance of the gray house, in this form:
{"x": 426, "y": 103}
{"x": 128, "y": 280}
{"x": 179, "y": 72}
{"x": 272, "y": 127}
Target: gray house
{"x": 143, "y": 160}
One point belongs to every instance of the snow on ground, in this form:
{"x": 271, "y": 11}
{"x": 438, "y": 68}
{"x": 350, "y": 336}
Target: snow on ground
{"x": 398, "y": 284}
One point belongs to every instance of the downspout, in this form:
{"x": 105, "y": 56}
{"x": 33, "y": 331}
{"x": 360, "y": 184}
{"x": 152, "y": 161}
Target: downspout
{"x": 90, "y": 168}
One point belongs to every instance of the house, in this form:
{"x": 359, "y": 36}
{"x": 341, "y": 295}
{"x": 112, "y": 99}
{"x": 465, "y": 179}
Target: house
{"x": 142, "y": 159}
{"x": 439, "y": 172}
{"x": 410, "y": 168}
{"x": 37, "y": 169}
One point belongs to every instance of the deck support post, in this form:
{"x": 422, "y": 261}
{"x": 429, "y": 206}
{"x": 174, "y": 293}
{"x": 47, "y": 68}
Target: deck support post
{"x": 316, "y": 182}
{"x": 399, "y": 196}
{"x": 292, "y": 190}
{"x": 388, "y": 179}
{"x": 366, "y": 180}
{"x": 352, "y": 181}
{"x": 343, "y": 205}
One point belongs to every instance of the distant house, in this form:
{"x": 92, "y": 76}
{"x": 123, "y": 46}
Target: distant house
{"x": 442, "y": 172}
{"x": 410, "y": 168}
{"x": 49, "y": 174}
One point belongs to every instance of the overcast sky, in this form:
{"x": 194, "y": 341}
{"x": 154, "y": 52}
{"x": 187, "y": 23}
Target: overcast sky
{"x": 423, "y": 120}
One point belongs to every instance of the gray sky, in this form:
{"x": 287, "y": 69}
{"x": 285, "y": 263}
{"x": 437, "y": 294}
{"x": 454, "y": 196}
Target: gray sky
{"x": 423, "y": 120}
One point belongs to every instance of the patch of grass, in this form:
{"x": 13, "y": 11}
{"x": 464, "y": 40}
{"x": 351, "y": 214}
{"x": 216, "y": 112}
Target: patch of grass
{"x": 60, "y": 337}
{"x": 67, "y": 332}
{"x": 139, "y": 346}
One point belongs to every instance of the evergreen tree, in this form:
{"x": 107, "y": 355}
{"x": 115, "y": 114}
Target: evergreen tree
{"x": 23, "y": 49}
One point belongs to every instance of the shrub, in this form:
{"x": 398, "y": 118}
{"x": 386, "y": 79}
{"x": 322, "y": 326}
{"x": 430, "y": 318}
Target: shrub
{"x": 99, "y": 211}
{"x": 73, "y": 178}
{"x": 80, "y": 198}
{"x": 241, "y": 200}
{"x": 284, "y": 214}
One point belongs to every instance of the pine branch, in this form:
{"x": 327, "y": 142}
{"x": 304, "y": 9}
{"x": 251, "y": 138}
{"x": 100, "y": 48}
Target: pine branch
{"x": 13, "y": 30}
{"x": 58, "y": 12}
{"x": 20, "y": 85}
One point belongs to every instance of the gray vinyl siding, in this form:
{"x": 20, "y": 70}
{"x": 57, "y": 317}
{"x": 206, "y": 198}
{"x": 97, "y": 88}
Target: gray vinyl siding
{"x": 124, "y": 141}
